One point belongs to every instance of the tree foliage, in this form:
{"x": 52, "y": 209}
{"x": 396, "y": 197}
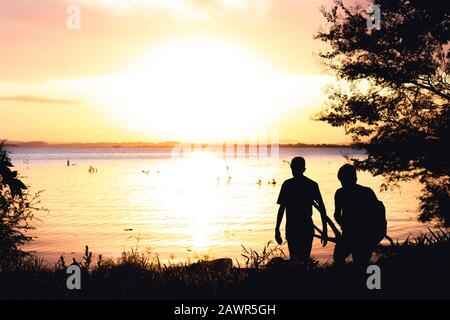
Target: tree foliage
{"x": 17, "y": 209}
{"x": 392, "y": 94}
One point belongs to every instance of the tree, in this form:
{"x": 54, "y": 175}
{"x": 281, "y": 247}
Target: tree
{"x": 392, "y": 93}
{"x": 17, "y": 209}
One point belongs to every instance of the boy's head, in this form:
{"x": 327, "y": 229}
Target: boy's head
{"x": 298, "y": 166}
{"x": 347, "y": 175}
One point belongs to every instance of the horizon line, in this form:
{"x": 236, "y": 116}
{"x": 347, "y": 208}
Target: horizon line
{"x": 143, "y": 144}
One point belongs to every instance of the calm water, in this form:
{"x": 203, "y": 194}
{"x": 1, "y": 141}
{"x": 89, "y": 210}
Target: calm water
{"x": 179, "y": 207}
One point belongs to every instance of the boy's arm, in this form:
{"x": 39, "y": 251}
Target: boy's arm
{"x": 278, "y": 237}
{"x": 282, "y": 201}
{"x": 323, "y": 215}
{"x": 337, "y": 210}
{"x": 280, "y": 216}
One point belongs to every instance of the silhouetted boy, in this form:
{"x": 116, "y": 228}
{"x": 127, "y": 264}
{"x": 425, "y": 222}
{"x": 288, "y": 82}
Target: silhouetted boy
{"x": 297, "y": 196}
{"x": 356, "y": 210}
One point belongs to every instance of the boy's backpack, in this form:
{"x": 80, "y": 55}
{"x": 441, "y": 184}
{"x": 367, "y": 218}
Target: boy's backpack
{"x": 378, "y": 220}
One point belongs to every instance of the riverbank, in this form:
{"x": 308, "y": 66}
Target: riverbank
{"x": 417, "y": 268}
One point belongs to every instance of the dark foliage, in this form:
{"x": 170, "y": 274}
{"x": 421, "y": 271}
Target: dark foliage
{"x": 17, "y": 209}
{"x": 417, "y": 268}
{"x": 393, "y": 93}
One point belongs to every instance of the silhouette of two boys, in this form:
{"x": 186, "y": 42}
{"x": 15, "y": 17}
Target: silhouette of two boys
{"x": 353, "y": 210}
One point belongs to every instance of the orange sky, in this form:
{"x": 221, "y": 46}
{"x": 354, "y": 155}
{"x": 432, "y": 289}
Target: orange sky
{"x": 159, "y": 70}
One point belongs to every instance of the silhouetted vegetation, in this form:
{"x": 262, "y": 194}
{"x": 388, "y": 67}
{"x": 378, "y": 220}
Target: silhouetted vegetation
{"x": 17, "y": 208}
{"x": 393, "y": 95}
{"x": 416, "y": 268}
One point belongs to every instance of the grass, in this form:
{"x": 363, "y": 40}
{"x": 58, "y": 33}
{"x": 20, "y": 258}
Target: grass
{"x": 416, "y": 268}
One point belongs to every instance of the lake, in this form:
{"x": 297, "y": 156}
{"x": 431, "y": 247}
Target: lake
{"x": 180, "y": 207}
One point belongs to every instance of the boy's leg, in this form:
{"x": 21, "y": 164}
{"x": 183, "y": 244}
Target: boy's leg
{"x": 341, "y": 251}
{"x": 294, "y": 249}
{"x": 301, "y": 245}
{"x": 362, "y": 254}
{"x": 306, "y": 245}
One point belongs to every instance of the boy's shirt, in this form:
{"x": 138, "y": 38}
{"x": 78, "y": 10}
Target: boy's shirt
{"x": 355, "y": 203}
{"x": 298, "y": 194}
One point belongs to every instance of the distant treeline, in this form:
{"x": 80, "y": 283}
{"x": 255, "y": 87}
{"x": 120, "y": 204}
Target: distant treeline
{"x": 321, "y": 145}
{"x": 166, "y": 144}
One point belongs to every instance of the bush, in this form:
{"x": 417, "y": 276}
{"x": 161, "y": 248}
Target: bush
{"x": 17, "y": 208}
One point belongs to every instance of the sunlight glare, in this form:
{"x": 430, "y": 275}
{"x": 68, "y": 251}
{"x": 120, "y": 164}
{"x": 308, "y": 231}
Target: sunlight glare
{"x": 198, "y": 89}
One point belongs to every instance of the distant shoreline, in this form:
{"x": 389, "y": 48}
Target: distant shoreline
{"x": 167, "y": 144}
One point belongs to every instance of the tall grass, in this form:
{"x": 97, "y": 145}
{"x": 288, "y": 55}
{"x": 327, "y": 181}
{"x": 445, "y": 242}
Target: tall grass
{"x": 421, "y": 260}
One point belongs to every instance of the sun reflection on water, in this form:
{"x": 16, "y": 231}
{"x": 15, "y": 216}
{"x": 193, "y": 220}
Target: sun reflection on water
{"x": 181, "y": 207}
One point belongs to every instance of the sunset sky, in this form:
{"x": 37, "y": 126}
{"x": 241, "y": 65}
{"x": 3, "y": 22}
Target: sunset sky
{"x": 159, "y": 70}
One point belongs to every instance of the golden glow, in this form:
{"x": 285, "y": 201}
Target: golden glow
{"x": 216, "y": 70}
{"x": 199, "y": 89}
{"x": 190, "y": 9}
{"x": 198, "y": 199}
